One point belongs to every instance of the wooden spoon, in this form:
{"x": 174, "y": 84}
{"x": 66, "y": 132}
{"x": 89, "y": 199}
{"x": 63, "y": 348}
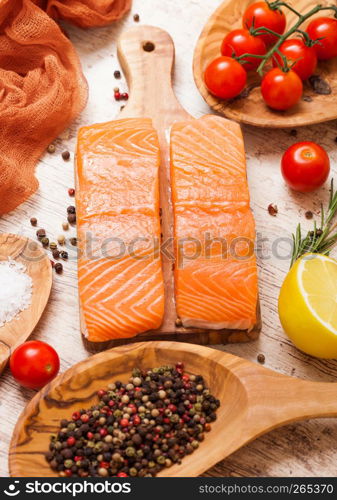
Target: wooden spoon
{"x": 252, "y": 109}
{"x": 37, "y": 264}
{"x": 254, "y": 400}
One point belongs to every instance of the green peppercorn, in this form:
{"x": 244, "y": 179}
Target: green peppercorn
{"x": 130, "y": 451}
{"x": 133, "y": 472}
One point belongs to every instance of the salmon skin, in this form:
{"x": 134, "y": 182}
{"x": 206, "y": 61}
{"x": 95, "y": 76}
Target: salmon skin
{"x": 215, "y": 271}
{"x": 121, "y": 285}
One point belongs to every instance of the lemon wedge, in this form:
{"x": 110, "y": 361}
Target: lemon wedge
{"x": 308, "y": 305}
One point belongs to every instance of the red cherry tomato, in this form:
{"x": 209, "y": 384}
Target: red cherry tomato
{"x": 259, "y": 15}
{"x": 325, "y": 28}
{"x": 296, "y": 50}
{"x": 225, "y": 77}
{"x": 281, "y": 90}
{"x": 34, "y": 364}
{"x": 305, "y": 166}
{"x": 241, "y": 41}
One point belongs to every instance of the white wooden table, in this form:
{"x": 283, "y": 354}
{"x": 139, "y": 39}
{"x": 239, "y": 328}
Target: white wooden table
{"x": 303, "y": 449}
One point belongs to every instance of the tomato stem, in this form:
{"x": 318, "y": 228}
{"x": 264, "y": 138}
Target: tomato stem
{"x": 281, "y": 38}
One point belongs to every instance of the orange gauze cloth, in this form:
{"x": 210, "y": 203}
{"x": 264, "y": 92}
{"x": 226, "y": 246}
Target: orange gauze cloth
{"x": 86, "y": 13}
{"x": 42, "y": 88}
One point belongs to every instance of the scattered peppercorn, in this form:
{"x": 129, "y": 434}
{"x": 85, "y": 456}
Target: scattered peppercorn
{"x": 71, "y": 218}
{"x": 71, "y": 192}
{"x": 51, "y": 148}
{"x": 56, "y": 254}
{"x": 117, "y": 74}
{"x": 272, "y": 210}
{"x": 33, "y": 221}
{"x": 117, "y": 96}
{"x": 136, "y": 18}
{"x": 125, "y": 96}
{"x": 136, "y": 429}
{"x": 261, "y": 358}
{"x": 41, "y": 233}
{"x": 116, "y": 89}
{"x": 65, "y": 226}
{"x": 52, "y": 245}
{"x": 309, "y": 214}
{"x": 64, "y": 255}
{"x": 73, "y": 241}
{"x": 71, "y": 209}
{"x": 66, "y": 155}
{"x": 58, "y": 267}
{"x": 45, "y": 241}
{"x": 61, "y": 239}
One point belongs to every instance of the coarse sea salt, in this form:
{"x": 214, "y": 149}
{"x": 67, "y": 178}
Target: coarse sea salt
{"x": 15, "y": 290}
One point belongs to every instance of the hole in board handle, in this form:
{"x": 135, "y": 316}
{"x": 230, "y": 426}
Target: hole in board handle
{"x": 148, "y": 46}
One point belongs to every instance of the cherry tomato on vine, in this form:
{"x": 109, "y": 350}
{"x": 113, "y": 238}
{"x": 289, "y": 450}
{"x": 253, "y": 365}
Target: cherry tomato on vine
{"x": 260, "y": 14}
{"x": 34, "y": 364}
{"x": 225, "y": 77}
{"x": 325, "y": 28}
{"x": 305, "y": 166}
{"x": 295, "y": 49}
{"x": 281, "y": 90}
{"x": 241, "y": 41}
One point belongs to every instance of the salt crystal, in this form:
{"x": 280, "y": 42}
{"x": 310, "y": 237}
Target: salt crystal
{"x": 15, "y": 290}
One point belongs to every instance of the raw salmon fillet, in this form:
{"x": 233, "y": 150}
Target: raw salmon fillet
{"x": 215, "y": 271}
{"x": 120, "y": 276}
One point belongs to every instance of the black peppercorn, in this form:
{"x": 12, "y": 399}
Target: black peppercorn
{"x": 58, "y": 267}
{"x": 66, "y": 155}
{"x": 41, "y": 233}
{"x": 56, "y": 254}
{"x": 71, "y": 218}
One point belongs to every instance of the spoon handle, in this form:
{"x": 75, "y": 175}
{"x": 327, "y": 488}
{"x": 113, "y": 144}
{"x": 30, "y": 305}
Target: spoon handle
{"x": 314, "y": 399}
{"x": 284, "y": 400}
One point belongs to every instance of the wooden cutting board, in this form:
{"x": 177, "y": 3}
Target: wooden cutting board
{"x": 146, "y": 55}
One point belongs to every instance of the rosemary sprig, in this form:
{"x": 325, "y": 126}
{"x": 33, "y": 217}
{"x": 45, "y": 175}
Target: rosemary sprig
{"x": 322, "y": 239}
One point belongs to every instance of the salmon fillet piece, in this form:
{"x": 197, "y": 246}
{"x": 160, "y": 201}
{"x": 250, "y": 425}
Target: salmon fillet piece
{"x": 121, "y": 286}
{"x": 215, "y": 272}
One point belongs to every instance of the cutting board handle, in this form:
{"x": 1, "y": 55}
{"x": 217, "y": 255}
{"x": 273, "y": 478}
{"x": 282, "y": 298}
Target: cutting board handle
{"x": 146, "y": 54}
